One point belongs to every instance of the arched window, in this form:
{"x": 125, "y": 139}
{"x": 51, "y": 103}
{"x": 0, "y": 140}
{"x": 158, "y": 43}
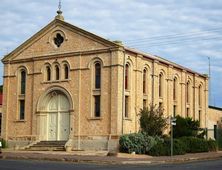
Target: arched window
{"x": 23, "y": 82}
{"x": 187, "y": 92}
{"x": 48, "y": 73}
{"x": 144, "y": 81}
{"x": 160, "y": 85}
{"x": 97, "y": 75}
{"x": 66, "y": 71}
{"x": 127, "y": 77}
{"x": 21, "y": 101}
{"x": 200, "y": 95}
{"x": 175, "y": 88}
{"x": 57, "y": 72}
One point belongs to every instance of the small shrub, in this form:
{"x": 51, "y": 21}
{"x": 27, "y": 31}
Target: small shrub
{"x": 140, "y": 143}
{"x": 152, "y": 120}
{"x": 212, "y": 145}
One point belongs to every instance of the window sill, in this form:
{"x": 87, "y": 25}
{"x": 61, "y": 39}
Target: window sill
{"x": 175, "y": 102}
{"x": 145, "y": 95}
{"x": 95, "y": 118}
{"x": 56, "y": 81}
{"x": 21, "y": 96}
{"x": 96, "y": 91}
{"x": 127, "y": 119}
{"x": 127, "y": 92}
{"x": 20, "y": 121}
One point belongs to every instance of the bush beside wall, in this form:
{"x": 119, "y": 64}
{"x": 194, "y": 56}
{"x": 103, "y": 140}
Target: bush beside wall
{"x": 164, "y": 148}
{"x": 141, "y": 143}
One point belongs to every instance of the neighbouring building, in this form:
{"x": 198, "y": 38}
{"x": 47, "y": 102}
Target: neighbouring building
{"x": 214, "y": 121}
{"x": 67, "y": 84}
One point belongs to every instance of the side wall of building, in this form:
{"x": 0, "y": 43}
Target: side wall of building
{"x": 196, "y": 91}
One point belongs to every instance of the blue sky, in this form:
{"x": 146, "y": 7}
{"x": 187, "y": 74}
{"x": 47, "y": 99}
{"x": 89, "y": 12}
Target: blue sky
{"x": 185, "y": 31}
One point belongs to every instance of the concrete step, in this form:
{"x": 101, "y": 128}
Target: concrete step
{"x": 46, "y": 149}
{"x": 48, "y": 146}
{"x": 52, "y": 142}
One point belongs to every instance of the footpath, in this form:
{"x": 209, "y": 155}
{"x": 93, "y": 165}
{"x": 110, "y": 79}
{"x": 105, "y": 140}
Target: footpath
{"x": 100, "y": 157}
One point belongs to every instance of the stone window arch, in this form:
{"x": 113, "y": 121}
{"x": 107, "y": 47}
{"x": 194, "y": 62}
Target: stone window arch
{"x": 127, "y": 76}
{"x": 188, "y": 90}
{"x": 66, "y": 71}
{"x": 145, "y": 77}
{"x": 48, "y": 73}
{"x": 22, "y": 81}
{"x": 161, "y": 85}
{"x": 57, "y": 72}
{"x": 97, "y": 75}
{"x": 175, "y": 88}
{"x": 200, "y": 95}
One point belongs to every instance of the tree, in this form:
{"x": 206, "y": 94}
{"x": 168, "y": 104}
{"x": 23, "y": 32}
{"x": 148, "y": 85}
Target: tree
{"x": 152, "y": 120}
{"x": 1, "y": 88}
{"x": 186, "y": 127}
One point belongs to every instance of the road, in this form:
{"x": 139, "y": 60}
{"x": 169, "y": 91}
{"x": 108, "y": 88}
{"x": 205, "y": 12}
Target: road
{"x": 43, "y": 165}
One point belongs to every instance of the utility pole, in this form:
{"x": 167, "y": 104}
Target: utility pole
{"x": 172, "y": 123}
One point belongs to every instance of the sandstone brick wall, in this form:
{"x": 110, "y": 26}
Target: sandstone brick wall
{"x": 80, "y": 50}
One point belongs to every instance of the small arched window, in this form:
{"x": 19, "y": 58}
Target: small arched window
{"x": 160, "y": 85}
{"x": 66, "y": 71}
{"x": 127, "y": 76}
{"x": 144, "y": 81}
{"x": 48, "y": 73}
{"x": 175, "y": 88}
{"x": 97, "y": 75}
{"x": 57, "y": 72}
{"x": 22, "y": 81}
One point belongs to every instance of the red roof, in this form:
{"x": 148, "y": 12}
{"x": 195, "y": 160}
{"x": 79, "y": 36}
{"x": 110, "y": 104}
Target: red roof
{"x": 1, "y": 96}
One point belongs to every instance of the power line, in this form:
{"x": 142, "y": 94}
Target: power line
{"x": 215, "y": 30}
{"x": 173, "y": 41}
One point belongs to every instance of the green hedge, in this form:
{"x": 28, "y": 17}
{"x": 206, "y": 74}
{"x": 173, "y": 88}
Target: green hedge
{"x": 195, "y": 145}
{"x": 164, "y": 148}
{"x": 140, "y": 143}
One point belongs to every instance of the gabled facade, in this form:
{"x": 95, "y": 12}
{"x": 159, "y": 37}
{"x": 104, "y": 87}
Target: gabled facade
{"x": 66, "y": 84}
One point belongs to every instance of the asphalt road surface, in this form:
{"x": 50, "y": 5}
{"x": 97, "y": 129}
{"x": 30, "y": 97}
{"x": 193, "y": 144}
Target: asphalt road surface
{"x": 43, "y": 165}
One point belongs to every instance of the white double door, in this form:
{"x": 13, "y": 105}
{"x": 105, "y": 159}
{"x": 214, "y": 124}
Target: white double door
{"x": 58, "y": 118}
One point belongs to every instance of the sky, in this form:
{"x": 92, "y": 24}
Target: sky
{"x": 186, "y": 32}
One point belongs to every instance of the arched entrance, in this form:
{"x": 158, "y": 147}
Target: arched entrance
{"x": 54, "y": 116}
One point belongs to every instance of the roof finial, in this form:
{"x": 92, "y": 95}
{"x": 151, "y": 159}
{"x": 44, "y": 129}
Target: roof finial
{"x": 59, "y": 12}
{"x": 60, "y": 5}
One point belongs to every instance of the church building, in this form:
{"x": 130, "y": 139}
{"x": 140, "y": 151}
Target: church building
{"x": 67, "y": 84}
